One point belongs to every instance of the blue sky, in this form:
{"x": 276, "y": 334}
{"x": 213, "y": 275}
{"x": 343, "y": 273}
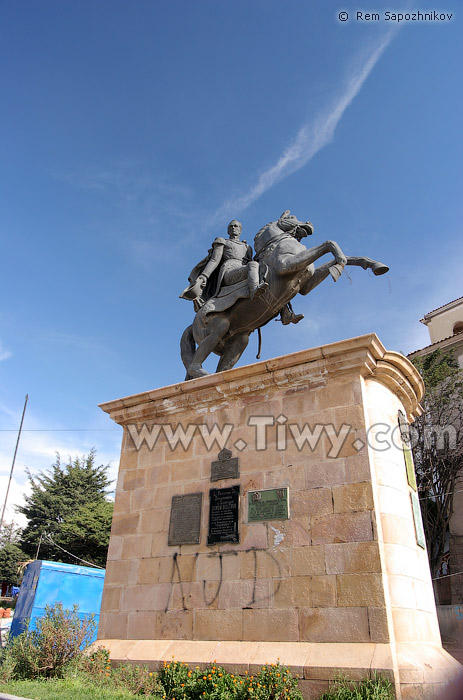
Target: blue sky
{"x": 132, "y": 132}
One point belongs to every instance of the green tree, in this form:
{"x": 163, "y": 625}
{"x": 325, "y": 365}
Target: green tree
{"x": 68, "y": 512}
{"x": 438, "y": 447}
{"x": 10, "y": 557}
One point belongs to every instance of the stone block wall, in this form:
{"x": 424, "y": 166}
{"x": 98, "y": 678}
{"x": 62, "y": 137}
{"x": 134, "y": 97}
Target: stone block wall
{"x": 343, "y": 569}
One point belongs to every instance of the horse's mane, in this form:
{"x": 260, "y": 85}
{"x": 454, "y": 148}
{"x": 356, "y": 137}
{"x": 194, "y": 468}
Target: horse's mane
{"x": 261, "y": 230}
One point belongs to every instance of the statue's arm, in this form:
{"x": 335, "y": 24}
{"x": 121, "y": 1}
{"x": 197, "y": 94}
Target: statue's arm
{"x": 215, "y": 258}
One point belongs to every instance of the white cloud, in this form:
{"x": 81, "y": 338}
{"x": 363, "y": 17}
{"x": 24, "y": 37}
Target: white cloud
{"x": 313, "y": 135}
{"x": 16, "y": 496}
{"x": 4, "y": 354}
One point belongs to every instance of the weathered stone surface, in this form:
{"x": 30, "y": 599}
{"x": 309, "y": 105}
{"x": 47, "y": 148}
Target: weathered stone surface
{"x": 334, "y": 625}
{"x": 352, "y": 557}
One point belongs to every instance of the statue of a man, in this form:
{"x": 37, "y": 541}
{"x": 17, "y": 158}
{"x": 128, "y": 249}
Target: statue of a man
{"x": 229, "y": 261}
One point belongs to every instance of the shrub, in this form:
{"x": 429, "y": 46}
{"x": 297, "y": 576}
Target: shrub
{"x": 59, "y": 638}
{"x": 137, "y": 679}
{"x": 273, "y": 682}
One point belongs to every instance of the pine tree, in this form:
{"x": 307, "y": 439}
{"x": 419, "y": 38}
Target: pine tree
{"x": 68, "y": 509}
{"x": 10, "y": 557}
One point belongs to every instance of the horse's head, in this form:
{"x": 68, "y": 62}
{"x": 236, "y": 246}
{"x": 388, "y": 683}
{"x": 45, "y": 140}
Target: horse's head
{"x": 291, "y": 224}
{"x": 287, "y": 225}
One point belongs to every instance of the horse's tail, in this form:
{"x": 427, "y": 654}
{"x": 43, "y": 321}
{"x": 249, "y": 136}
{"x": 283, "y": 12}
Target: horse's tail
{"x": 187, "y": 349}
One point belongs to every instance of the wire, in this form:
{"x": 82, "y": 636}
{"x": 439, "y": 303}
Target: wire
{"x": 47, "y": 536}
{"x": 457, "y": 573}
{"x": 62, "y": 430}
{"x": 441, "y": 493}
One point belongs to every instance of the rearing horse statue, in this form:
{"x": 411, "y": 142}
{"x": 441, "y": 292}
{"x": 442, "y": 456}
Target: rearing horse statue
{"x": 286, "y": 268}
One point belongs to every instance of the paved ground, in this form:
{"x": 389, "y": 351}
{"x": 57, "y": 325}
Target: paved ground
{"x": 454, "y": 648}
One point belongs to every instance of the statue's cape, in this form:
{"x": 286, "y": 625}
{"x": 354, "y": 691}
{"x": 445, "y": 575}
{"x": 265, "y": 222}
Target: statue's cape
{"x": 214, "y": 280}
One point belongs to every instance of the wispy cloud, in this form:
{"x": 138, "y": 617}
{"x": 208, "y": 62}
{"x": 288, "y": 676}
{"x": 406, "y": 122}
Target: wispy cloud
{"x": 313, "y": 135}
{"x": 4, "y": 354}
{"x": 80, "y": 343}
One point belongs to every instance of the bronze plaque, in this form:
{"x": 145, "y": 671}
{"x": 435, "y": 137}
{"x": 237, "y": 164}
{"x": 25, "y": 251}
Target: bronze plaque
{"x": 223, "y": 515}
{"x": 185, "y": 519}
{"x": 408, "y": 455}
{"x": 226, "y": 467}
{"x": 419, "y": 530}
{"x": 271, "y": 504}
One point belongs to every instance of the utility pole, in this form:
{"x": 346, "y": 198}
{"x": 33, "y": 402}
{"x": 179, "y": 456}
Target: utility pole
{"x": 14, "y": 460}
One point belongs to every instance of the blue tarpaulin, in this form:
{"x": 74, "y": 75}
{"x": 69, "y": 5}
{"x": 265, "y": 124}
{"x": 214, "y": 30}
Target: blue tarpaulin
{"x": 48, "y": 582}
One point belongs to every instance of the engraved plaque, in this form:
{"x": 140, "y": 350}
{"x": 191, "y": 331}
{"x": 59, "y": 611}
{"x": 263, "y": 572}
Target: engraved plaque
{"x": 226, "y": 467}
{"x": 185, "y": 519}
{"x": 419, "y": 530}
{"x": 271, "y": 504}
{"x": 223, "y": 515}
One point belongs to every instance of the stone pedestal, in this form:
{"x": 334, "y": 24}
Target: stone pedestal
{"x": 339, "y": 586}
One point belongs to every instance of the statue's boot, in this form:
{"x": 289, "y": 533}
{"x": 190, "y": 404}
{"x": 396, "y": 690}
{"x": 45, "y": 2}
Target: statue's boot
{"x": 258, "y": 291}
{"x": 256, "y": 288}
{"x": 288, "y": 316}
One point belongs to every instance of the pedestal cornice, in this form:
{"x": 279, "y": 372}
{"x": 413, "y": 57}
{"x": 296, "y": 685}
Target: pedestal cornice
{"x": 364, "y": 355}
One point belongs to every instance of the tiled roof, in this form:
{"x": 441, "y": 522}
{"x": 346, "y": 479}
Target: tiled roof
{"x": 455, "y": 335}
{"x": 442, "y": 307}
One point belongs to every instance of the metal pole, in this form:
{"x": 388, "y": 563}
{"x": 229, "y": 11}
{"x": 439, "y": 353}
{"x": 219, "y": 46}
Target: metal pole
{"x": 14, "y": 460}
{"x": 38, "y": 548}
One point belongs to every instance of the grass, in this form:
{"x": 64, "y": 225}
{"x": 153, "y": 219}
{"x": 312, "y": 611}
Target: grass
{"x": 81, "y": 687}
{"x": 72, "y": 688}
{"x": 376, "y": 688}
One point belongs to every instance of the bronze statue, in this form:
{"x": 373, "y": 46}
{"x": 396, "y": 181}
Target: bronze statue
{"x": 228, "y": 262}
{"x": 235, "y": 295}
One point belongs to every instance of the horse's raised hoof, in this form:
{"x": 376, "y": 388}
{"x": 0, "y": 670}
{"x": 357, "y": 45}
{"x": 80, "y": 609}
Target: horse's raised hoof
{"x": 379, "y": 269}
{"x": 336, "y": 271}
{"x": 195, "y": 371}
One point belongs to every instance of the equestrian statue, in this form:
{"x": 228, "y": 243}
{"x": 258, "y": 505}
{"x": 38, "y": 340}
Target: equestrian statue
{"x": 235, "y": 293}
